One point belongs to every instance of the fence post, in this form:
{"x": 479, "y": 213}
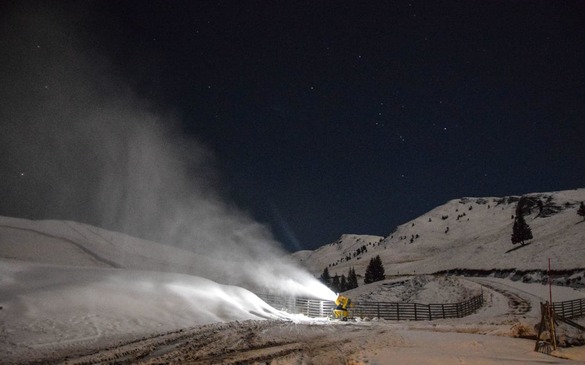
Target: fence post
{"x": 415, "y": 316}
{"x": 457, "y": 309}
{"x": 378, "y": 308}
{"x": 443, "y": 310}
{"x": 398, "y": 311}
{"x": 430, "y": 313}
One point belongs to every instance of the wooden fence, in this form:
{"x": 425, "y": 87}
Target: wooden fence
{"x": 308, "y": 307}
{"x": 385, "y": 310}
{"x": 570, "y": 309}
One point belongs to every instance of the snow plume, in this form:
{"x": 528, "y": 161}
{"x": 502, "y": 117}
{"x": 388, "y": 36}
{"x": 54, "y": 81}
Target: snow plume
{"x": 78, "y": 144}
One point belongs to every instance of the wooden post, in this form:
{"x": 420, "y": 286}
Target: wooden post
{"x": 552, "y": 328}
{"x": 541, "y": 327}
{"x": 547, "y": 322}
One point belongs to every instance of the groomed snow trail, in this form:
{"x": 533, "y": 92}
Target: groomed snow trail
{"x": 243, "y": 342}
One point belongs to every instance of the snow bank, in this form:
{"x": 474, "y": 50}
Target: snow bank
{"x": 45, "y": 307}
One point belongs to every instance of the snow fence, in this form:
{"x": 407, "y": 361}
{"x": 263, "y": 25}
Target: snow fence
{"x": 384, "y": 310}
{"x": 570, "y": 308}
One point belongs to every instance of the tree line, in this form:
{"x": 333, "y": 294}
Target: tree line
{"x": 374, "y": 272}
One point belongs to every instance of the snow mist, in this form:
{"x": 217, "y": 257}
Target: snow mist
{"x": 78, "y": 144}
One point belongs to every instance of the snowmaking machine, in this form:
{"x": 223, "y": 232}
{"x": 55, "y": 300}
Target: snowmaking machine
{"x": 340, "y": 312}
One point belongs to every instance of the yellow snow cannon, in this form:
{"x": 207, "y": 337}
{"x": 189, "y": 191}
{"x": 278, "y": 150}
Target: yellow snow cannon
{"x": 340, "y": 312}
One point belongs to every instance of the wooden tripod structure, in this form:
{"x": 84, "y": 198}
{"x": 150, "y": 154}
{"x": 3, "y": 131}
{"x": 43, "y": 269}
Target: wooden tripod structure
{"x": 547, "y": 324}
{"x": 548, "y": 321}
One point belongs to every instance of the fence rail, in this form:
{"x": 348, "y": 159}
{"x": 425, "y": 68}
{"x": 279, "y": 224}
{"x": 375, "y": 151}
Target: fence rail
{"x": 570, "y": 308}
{"x": 385, "y": 310}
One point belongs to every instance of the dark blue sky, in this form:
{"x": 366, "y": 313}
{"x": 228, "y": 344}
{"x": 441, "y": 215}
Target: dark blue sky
{"x": 332, "y": 117}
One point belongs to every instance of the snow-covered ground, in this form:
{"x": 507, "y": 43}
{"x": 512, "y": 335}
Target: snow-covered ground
{"x": 72, "y": 293}
{"x": 69, "y": 286}
{"x": 416, "y": 289}
{"x": 45, "y": 307}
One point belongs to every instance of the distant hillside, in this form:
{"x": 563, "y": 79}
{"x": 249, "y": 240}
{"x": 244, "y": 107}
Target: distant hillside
{"x": 76, "y": 244}
{"x": 467, "y": 233}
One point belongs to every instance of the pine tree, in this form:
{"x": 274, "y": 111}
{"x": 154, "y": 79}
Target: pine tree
{"x": 325, "y": 277}
{"x": 343, "y": 284}
{"x": 335, "y": 284}
{"x": 378, "y": 269}
{"x": 521, "y": 231}
{"x": 368, "y": 277}
{"x": 581, "y": 210}
{"x": 375, "y": 270}
{"x": 352, "y": 282}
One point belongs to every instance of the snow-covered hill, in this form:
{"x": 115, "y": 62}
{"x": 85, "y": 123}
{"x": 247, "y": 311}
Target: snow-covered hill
{"x": 66, "y": 285}
{"x": 467, "y": 233}
{"x": 76, "y": 244}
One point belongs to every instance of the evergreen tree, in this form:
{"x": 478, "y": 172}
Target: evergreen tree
{"x": 343, "y": 284}
{"x": 335, "y": 284}
{"x": 325, "y": 277}
{"x": 352, "y": 282}
{"x": 378, "y": 269}
{"x": 375, "y": 270}
{"x": 368, "y": 276}
{"x": 581, "y": 210}
{"x": 521, "y": 231}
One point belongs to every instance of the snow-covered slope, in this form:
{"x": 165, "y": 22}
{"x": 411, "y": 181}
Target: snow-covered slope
{"x": 71, "y": 285}
{"x": 77, "y": 244}
{"x": 469, "y": 233}
{"x": 337, "y": 252}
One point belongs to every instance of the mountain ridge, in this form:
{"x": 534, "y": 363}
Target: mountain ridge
{"x": 468, "y": 233}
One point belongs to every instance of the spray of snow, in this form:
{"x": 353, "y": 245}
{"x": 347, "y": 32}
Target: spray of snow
{"x": 80, "y": 145}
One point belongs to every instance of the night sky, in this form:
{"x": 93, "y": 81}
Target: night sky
{"x": 333, "y": 117}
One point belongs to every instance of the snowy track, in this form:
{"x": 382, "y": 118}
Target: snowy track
{"x": 237, "y": 342}
{"x": 518, "y": 305}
